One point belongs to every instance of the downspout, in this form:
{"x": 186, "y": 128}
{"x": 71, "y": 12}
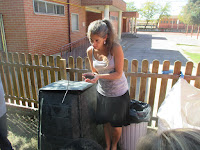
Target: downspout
{"x": 2, "y": 34}
{"x": 69, "y": 23}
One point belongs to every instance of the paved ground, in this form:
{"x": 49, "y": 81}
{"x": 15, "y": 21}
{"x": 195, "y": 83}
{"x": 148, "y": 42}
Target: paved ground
{"x": 161, "y": 46}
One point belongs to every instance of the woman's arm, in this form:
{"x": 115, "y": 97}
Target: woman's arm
{"x": 89, "y": 54}
{"x": 94, "y": 72}
{"x": 118, "y": 54}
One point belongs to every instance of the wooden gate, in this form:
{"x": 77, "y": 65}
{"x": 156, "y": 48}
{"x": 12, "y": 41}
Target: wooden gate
{"x": 23, "y": 75}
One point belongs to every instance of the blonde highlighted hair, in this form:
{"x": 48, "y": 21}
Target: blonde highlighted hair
{"x": 102, "y": 28}
{"x": 176, "y": 139}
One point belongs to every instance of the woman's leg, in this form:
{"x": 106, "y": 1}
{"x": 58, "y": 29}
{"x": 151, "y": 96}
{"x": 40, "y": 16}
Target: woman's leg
{"x": 116, "y": 134}
{"x": 107, "y": 133}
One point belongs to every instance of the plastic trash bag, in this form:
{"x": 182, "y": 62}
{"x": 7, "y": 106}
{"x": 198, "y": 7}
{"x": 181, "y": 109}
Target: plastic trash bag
{"x": 139, "y": 112}
{"x": 180, "y": 108}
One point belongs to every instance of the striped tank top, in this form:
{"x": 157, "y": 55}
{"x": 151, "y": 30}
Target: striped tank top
{"x": 109, "y": 88}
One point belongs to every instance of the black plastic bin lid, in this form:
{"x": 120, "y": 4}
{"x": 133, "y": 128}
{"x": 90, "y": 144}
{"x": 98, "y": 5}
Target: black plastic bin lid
{"x": 68, "y": 85}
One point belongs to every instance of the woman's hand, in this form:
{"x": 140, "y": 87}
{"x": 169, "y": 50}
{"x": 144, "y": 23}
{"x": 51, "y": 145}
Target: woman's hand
{"x": 90, "y": 77}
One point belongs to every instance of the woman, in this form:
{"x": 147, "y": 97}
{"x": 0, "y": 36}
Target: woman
{"x": 106, "y": 61}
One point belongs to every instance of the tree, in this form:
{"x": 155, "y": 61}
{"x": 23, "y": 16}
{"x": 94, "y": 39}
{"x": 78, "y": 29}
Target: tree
{"x": 190, "y": 14}
{"x": 195, "y": 13}
{"x": 148, "y": 12}
{"x": 185, "y": 16}
{"x": 130, "y": 7}
{"x": 163, "y": 12}
{"x": 193, "y": 1}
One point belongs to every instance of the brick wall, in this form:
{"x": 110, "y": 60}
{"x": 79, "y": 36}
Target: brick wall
{"x": 75, "y": 35}
{"x": 96, "y": 2}
{"x": 119, "y": 4}
{"x": 167, "y": 23}
{"x": 114, "y": 19}
{"x": 30, "y": 32}
{"x": 46, "y": 33}
{"x": 91, "y": 16}
{"x": 14, "y": 25}
{"x": 116, "y": 3}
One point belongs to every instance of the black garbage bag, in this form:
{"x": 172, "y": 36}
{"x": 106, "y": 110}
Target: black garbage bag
{"x": 139, "y": 112}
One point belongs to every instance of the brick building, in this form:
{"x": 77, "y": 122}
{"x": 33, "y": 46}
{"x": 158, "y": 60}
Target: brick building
{"x": 172, "y": 22}
{"x": 44, "y": 26}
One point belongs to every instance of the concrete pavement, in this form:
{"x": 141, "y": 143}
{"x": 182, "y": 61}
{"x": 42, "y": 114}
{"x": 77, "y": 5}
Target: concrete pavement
{"x": 159, "y": 45}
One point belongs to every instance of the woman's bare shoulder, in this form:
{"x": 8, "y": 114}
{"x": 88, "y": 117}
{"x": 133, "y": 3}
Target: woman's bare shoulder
{"x": 116, "y": 47}
{"x": 89, "y": 49}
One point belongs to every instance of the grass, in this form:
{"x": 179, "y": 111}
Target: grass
{"x": 186, "y": 45}
{"x": 22, "y": 129}
{"x": 195, "y": 57}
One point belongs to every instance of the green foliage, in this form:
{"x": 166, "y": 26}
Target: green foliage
{"x": 195, "y": 12}
{"x": 190, "y": 13}
{"x": 163, "y": 12}
{"x": 193, "y": 1}
{"x": 130, "y": 7}
{"x": 149, "y": 10}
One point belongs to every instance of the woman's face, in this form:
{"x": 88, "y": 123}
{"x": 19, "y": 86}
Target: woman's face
{"x": 97, "y": 41}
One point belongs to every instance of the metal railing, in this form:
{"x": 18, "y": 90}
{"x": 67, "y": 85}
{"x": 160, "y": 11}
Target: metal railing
{"x": 75, "y": 49}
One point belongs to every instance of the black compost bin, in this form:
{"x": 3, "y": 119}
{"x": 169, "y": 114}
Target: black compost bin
{"x": 66, "y": 113}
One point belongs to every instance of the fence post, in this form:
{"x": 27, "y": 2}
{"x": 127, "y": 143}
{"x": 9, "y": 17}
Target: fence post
{"x": 63, "y": 69}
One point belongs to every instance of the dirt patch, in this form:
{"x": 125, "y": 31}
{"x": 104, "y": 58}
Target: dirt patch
{"x": 22, "y": 128}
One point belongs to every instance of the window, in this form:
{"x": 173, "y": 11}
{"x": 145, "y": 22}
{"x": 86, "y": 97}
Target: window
{"x": 59, "y": 9}
{"x": 75, "y": 22}
{"x": 44, "y": 7}
{"x": 167, "y": 21}
{"x": 50, "y": 8}
{"x": 164, "y": 22}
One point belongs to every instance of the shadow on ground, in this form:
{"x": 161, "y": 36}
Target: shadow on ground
{"x": 22, "y": 128}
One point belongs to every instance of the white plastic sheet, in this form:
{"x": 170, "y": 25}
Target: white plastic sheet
{"x": 181, "y": 107}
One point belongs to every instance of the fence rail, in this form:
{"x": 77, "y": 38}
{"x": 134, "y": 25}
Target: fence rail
{"x": 22, "y": 77}
{"x": 75, "y": 49}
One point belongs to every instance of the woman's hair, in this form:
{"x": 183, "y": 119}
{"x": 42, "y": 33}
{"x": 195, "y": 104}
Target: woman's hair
{"x": 102, "y": 28}
{"x": 176, "y": 139}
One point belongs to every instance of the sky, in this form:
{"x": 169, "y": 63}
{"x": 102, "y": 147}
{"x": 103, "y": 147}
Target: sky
{"x": 176, "y": 5}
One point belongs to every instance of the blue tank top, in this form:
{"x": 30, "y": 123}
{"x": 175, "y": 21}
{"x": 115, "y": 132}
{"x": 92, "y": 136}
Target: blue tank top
{"x": 109, "y": 88}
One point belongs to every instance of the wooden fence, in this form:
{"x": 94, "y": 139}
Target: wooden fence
{"x": 23, "y": 75}
{"x": 75, "y": 49}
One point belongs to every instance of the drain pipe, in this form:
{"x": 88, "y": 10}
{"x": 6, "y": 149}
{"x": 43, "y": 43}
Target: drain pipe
{"x": 69, "y": 23}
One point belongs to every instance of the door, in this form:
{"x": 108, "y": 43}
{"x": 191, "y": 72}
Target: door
{"x": 124, "y": 25}
{"x": 3, "y": 46}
